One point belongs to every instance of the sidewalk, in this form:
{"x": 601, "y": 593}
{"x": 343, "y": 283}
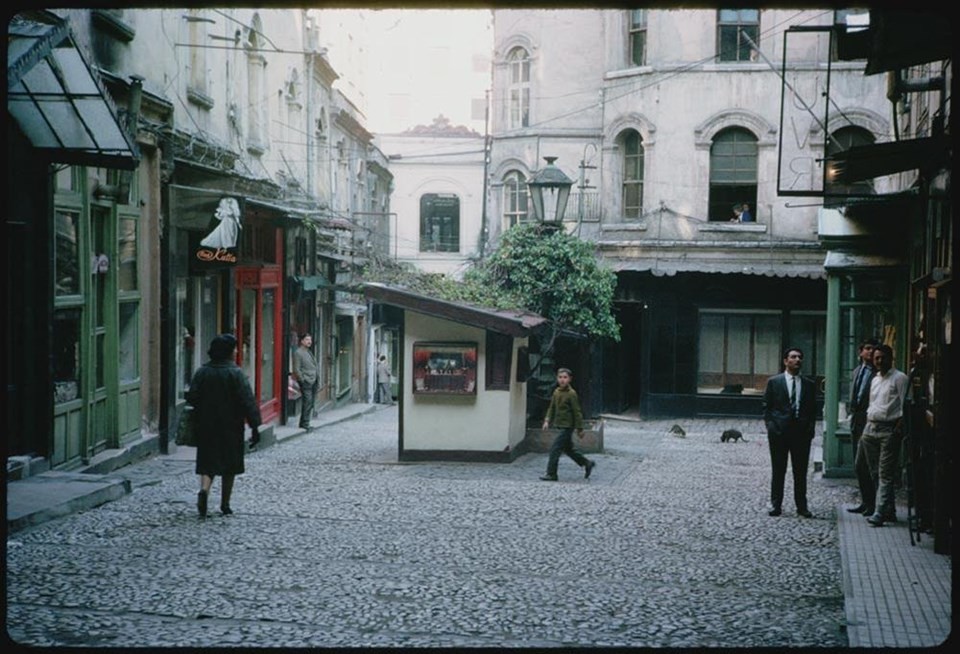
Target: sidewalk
{"x": 49, "y": 495}
{"x": 895, "y": 594}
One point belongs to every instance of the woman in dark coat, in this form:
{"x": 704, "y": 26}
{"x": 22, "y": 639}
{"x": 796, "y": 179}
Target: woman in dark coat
{"x": 222, "y": 399}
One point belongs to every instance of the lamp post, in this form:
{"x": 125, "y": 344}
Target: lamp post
{"x": 550, "y": 190}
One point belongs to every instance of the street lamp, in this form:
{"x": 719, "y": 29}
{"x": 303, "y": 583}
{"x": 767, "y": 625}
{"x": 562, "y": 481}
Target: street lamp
{"x": 549, "y": 190}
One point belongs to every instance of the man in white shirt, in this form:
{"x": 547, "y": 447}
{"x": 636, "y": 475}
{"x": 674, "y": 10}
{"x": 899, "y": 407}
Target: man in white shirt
{"x": 883, "y": 433}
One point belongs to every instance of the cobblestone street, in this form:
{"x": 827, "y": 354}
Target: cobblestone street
{"x": 335, "y": 544}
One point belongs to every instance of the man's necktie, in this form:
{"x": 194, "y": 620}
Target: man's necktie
{"x": 793, "y": 395}
{"x": 858, "y": 389}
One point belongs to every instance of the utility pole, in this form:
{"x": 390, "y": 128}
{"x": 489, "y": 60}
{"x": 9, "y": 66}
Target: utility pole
{"x": 582, "y": 186}
{"x": 486, "y": 170}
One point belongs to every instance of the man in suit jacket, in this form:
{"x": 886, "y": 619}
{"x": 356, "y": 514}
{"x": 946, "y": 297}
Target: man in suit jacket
{"x": 790, "y": 414}
{"x": 857, "y": 409}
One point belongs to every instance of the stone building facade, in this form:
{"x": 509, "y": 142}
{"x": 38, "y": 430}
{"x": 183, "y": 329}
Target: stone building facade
{"x": 665, "y": 120}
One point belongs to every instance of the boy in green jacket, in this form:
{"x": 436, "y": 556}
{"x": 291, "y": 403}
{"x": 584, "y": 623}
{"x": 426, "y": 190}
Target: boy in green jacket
{"x": 565, "y": 414}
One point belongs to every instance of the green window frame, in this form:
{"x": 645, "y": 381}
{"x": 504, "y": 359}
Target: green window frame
{"x": 732, "y": 26}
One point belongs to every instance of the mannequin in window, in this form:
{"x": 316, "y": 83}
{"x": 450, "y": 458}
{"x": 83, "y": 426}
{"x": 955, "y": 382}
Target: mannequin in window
{"x": 225, "y": 234}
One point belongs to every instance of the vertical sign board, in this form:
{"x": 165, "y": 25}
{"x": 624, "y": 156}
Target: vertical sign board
{"x": 804, "y": 111}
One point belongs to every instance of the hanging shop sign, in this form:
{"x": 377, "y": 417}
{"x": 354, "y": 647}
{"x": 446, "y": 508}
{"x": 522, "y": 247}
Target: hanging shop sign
{"x": 220, "y": 246}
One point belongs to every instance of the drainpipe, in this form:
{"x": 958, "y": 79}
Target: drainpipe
{"x": 486, "y": 170}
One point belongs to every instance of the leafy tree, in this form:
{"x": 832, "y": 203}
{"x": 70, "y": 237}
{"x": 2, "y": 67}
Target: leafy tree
{"x": 536, "y": 267}
{"x": 555, "y": 275}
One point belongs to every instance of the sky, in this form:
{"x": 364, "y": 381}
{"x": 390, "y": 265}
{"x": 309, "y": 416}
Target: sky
{"x": 420, "y": 63}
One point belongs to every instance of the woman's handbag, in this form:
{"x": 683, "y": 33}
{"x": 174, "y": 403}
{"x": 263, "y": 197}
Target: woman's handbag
{"x": 187, "y": 428}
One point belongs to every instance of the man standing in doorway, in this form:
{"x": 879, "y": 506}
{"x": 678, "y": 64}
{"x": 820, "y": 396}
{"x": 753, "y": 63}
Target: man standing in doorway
{"x": 883, "y": 433}
{"x": 383, "y": 381}
{"x": 859, "y": 400}
{"x": 789, "y": 412}
{"x": 306, "y": 373}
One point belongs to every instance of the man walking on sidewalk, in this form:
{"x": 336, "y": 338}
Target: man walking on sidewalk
{"x": 306, "y": 372}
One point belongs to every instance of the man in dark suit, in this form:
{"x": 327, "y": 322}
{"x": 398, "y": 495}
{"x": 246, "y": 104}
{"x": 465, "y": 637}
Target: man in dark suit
{"x": 790, "y": 413}
{"x": 857, "y": 409}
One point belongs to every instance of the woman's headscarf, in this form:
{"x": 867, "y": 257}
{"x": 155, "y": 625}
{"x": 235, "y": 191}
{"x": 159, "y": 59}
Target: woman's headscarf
{"x": 221, "y": 347}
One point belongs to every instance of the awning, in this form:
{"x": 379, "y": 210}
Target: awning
{"x": 849, "y": 261}
{"x": 670, "y": 267}
{"x": 57, "y": 100}
{"x": 312, "y": 282}
{"x": 893, "y": 206}
{"x": 868, "y": 161}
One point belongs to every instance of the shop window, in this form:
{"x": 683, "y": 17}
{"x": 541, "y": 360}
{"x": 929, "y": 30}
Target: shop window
{"x": 66, "y": 355}
{"x": 632, "y": 191}
{"x": 187, "y": 331}
{"x": 99, "y": 351}
{"x": 127, "y": 255}
{"x": 65, "y": 178}
{"x": 499, "y": 350}
{"x": 519, "y": 89}
{"x": 268, "y": 361}
{"x": 344, "y": 355}
{"x": 439, "y": 223}
{"x": 732, "y": 26}
{"x": 259, "y": 242}
{"x": 638, "y": 37}
{"x": 129, "y": 331}
{"x": 733, "y": 173}
{"x": 66, "y": 267}
{"x": 738, "y": 351}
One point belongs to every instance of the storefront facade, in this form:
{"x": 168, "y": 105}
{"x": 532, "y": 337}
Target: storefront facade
{"x": 234, "y": 285}
{"x": 74, "y": 235}
{"x": 862, "y": 303}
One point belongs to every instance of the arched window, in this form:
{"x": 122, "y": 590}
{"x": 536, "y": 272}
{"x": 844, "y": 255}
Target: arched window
{"x": 519, "y": 108}
{"x": 631, "y": 144}
{"x": 841, "y": 140}
{"x": 733, "y": 173}
{"x": 515, "y": 199}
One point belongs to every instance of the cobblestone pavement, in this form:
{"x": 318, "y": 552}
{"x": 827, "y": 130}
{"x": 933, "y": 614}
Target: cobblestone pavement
{"x": 335, "y": 544}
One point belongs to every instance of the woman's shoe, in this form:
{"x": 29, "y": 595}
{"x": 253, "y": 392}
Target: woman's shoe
{"x": 225, "y": 510}
{"x": 202, "y": 503}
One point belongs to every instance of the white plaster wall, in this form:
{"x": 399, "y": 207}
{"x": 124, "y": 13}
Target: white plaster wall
{"x": 583, "y": 94}
{"x": 166, "y": 66}
{"x": 489, "y": 422}
{"x": 435, "y": 165}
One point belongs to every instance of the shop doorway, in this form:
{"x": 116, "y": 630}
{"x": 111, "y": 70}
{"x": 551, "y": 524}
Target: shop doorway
{"x": 260, "y": 350}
